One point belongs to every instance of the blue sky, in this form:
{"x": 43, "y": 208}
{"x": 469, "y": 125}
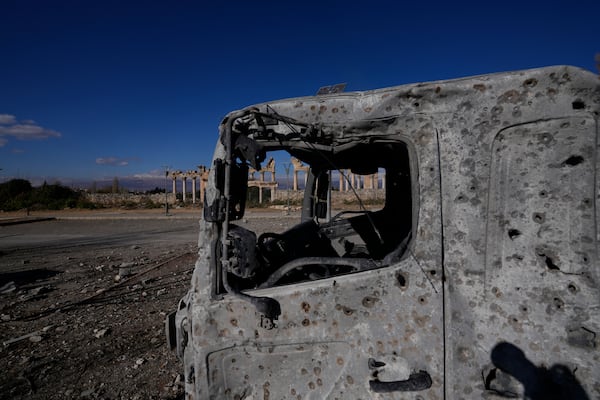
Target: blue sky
{"x": 97, "y": 89}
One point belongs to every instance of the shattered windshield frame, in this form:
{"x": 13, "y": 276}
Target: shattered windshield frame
{"x": 349, "y": 242}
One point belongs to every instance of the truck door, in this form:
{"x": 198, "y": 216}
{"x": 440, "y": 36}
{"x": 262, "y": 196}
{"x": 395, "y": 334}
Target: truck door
{"x": 373, "y": 333}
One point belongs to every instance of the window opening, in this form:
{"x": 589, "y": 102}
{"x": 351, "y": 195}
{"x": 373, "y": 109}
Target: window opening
{"x": 361, "y": 234}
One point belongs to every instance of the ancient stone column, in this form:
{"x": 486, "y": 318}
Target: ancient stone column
{"x": 184, "y": 181}
{"x": 193, "y": 190}
{"x": 295, "y": 180}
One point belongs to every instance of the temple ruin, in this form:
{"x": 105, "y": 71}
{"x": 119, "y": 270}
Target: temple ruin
{"x": 199, "y": 177}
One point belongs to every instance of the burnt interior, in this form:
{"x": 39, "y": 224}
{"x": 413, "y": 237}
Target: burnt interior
{"x": 352, "y": 240}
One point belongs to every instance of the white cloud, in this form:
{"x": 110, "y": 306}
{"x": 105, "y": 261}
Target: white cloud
{"x": 155, "y": 173}
{"x": 114, "y": 161}
{"x": 7, "y": 119}
{"x": 25, "y": 130}
{"x": 28, "y": 132}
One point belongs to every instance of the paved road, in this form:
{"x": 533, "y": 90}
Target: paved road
{"x": 119, "y": 228}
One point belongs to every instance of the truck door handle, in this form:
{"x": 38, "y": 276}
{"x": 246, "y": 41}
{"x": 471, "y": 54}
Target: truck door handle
{"x": 416, "y": 381}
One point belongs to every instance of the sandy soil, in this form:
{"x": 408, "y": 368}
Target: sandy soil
{"x": 74, "y": 325}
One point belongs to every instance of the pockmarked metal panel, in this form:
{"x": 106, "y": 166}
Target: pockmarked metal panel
{"x": 478, "y": 277}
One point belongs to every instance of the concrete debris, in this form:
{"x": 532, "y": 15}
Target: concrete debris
{"x": 87, "y": 393}
{"x": 8, "y": 288}
{"x": 161, "y": 291}
{"x": 35, "y": 338}
{"x": 40, "y": 290}
{"x": 23, "y": 337}
{"x": 36, "y": 293}
{"x": 126, "y": 269}
{"x": 147, "y": 281}
{"x": 139, "y": 362}
{"x": 5, "y": 317}
{"x": 100, "y": 333}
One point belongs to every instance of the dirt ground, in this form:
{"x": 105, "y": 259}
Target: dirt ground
{"x": 83, "y": 300}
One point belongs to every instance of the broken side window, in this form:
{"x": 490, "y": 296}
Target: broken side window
{"x": 355, "y": 238}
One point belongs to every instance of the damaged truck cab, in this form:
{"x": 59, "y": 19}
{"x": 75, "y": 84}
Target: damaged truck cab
{"x": 478, "y": 277}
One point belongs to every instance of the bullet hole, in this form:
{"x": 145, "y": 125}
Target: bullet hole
{"x": 369, "y": 301}
{"x": 578, "y": 105}
{"x": 422, "y": 300}
{"x": 584, "y": 259}
{"x": 347, "y": 311}
{"x": 531, "y": 82}
{"x": 305, "y": 322}
{"x": 572, "y": 161}
{"x": 546, "y": 138}
{"x": 416, "y": 104}
{"x": 543, "y": 194}
{"x": 572, "y": 288}
{"x": 401, "y": 280}
{"x": 305, "y": 306}
{"x": 558, "y": 303}
{"x": 550, "y": 263}
{"x": 539, "y": 217}
{"x": 524, "y": 309}
{"x": 432, "y": 272}
{"x": 513, "y": 233}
